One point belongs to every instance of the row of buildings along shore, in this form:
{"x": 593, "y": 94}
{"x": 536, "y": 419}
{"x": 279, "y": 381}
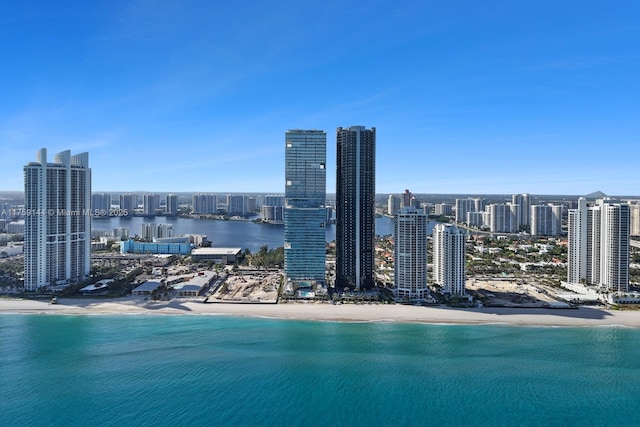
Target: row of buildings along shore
{"x": 58, "y": 242}
{"x": 305, "y": 220}
{"x": 514, "y": 217}
{"x": 151, "y": 205}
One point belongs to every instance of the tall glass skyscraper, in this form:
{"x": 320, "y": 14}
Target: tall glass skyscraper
{"x": 57, "y": 241}
{"x": 305, "y": 214}
{"x": 355, "y": 207}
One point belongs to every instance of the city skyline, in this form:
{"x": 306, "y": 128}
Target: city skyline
{"x": 195, "y": 97}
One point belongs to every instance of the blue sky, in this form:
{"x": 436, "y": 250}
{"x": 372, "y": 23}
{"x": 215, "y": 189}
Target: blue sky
{"x": 537, "y": 96}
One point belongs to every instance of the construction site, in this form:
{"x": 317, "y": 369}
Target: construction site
{"x": 497, "y": 292}
{"x": 247, "y": 286}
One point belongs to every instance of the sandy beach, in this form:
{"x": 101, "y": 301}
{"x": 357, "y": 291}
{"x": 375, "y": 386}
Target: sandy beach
{"x": 585, "y": 316}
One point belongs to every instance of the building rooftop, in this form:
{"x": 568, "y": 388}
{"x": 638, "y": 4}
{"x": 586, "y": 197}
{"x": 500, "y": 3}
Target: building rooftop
{"x": 215, "y": 251}
{"x": 94, "y": 287}
{"x": 148, "y": 286}
{"x": 199, "y": 279}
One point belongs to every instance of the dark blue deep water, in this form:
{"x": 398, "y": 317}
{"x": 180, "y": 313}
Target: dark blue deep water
{"x": 221, "y": 370}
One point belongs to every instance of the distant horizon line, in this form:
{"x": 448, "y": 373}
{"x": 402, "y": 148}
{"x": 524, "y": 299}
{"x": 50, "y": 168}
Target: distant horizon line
{"x": 281, "y": 193}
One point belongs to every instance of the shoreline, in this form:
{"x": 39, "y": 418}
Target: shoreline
{"x": 365, "y": 313}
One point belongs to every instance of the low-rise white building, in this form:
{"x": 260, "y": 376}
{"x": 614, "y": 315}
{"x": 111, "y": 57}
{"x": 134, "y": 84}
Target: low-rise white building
{"x": 193, "y": 285}
{"x": 217, "y": 255}
{"x": 146, "y": 288}
{"x": 16, "y": 227}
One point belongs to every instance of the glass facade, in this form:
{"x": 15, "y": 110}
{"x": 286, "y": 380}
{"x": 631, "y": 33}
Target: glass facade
{"x": 355, "y": 207}
{"x": 305, "y": 213}
{"x": 305, "y": 240}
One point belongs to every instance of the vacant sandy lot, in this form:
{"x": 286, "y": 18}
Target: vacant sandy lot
{"x": 244, "y": 287}
{"x": 511, "y": 293}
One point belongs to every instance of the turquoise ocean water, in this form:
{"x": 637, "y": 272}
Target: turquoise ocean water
{"x": 220, "y": 370}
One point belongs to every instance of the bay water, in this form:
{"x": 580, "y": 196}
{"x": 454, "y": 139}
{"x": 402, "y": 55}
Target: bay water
{"x": 245, "y": 234}
{"x": 174, "y": 370}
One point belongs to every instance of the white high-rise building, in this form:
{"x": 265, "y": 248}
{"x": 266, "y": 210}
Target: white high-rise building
{"x": 449, "y": 258}
{"x": 204, "y": 204}
{"x": 486, "y": 218}
{"x": 150, "y": 231}
{"x": 524, "y": 208}
{"x": 598, "y": 245}
{"x": 150, "y": 204}
{"x": 128, "y": 204}
{"x": 272, "y": 214}
{"x": 410, "y": 253}
{"x": 463, "y": 206}
{"x": 614, "y": 255}
{"x": 250, "y": 204}
{"x": 16, "y": 227}
{"x": 57, "y": 241}
{"x": 475, "y": 219}
{"x": 236, "y": 205}
{"x": 556, "y": 226}
{"x": 503, "y": 217}
{"x": 393, "y": 204}
{"x": 444, "y": 209}
{"x": 635, "y": 220}
{"x": 100, "y": 204}
{"x": 546, "y": 220}
{"x": 580, "y": 230}
{"x": 171, "y": 205}
{"x": 121, "y": 233}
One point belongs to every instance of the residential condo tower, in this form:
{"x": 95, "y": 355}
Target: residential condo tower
{"x": 355, "y": 207}
{"x": 305, "y": 214}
